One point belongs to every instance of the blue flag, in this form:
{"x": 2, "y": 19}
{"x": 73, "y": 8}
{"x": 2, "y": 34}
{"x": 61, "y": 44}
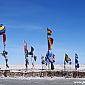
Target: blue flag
{"x": 69, "y": 60}
{"x": 76, "y": 61}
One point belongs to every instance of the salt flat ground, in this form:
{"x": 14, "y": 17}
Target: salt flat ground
{"x": 42, "y": 81}
{"x": 37, "y": 67}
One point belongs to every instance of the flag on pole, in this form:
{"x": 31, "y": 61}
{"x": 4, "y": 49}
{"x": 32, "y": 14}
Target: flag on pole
{"x": 32, "y": 49}
{"x": 2, "y": 29}
{"x": 66, "y": 58}
{"x": 76, "y": 62}
{"x": 69, "y": 61}
{"x": 49, "y": 31}
{"x": 50, "y": 42}
{"x": 25, "y": 46}
{"x": 31, "y": 52}
{"x": 4, "y": 37}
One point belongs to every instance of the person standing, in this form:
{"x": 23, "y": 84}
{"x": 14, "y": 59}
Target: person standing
{"x": 26, "y": 59}
{"x": 52, "y": 61}
{"x": 6, "y": 58}
{"x": 42, "y": 62}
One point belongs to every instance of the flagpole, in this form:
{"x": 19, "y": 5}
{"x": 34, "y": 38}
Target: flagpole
{"x": 4, "y": 46}
{"x": 47, "y": 38}
{"x": 64, "y": 65}
{"x": 47, "y": 46}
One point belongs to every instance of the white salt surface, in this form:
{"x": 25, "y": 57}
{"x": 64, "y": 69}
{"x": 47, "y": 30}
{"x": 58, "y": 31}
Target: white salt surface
{"x": 38, "y": 67}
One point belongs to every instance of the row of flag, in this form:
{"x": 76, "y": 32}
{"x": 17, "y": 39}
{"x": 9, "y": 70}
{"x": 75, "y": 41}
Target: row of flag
{"x": 69, "y": 61}
{"x": 67, "y": 58}
{"x": 33, "y": 57}
{"x": 50, "y": 43}
{"x": 25, "y": 48}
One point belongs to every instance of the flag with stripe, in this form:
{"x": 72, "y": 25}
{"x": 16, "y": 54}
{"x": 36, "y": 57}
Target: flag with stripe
{"x": 49, "y": 31}
{"x": 50, "y": 42}
{"x": 2, "y": 29}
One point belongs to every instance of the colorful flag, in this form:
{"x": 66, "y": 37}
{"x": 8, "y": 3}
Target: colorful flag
{"x": 31, "y": 52}
{"x": 66, "y": 58}
{"x": 76, "y": 62}
{"x": 25, "y": 46}
{"x": 50, "y": 42}
{"x": 49, "y": 31}
{"x": 69, "y": 61}
{"x": 4, "y": 37}
{"x": 2, "y": 29}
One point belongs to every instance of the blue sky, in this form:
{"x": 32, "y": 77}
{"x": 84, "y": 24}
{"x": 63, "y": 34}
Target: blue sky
{"x": 29, "y": 19}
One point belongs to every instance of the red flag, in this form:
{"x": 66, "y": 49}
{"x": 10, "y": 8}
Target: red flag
{"x": 4, "y": 37}
{"x": 25, "y": 46}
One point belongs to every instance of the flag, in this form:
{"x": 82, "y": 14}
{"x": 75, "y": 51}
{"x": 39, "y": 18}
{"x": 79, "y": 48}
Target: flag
{"x": 66, "y": 58}
{"x": 35, "y": 57}
{"x": 2, "y": 29}
{"x": 32, "y": 49}
{"x": 50, "y": 42}
{"x": 4, "y": 37}
{"x": 69, "y": 60}
{"x": 49, "y": 31}
{"x": 25, "y": 46}
{"x": 31, "y": 52}
{"x": 76, "y": 61}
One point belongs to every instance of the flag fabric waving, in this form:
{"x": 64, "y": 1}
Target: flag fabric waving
{"x": 50, "y": 42}
{"x": 2, "y": 29}
{"x": 4, "y": 37}
{"x": 32, "y": 49}
{"x": 25, "y": 46}
{"x": 49, "y": 31}
{"x": 66, "y": 58}
{"x": 76, "y": 62}
{"x": 31, "y": 52}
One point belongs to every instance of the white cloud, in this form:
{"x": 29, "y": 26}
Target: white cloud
{"x": 24, "y": 27}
